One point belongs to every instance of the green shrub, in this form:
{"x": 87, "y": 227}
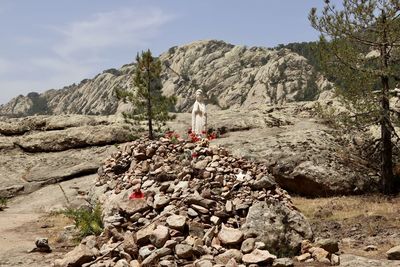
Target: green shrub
{"x": 3, "y": 203}
{"x": 87, "y": 221}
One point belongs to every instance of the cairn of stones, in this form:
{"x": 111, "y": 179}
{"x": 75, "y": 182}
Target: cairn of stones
{"x": 171, "y": 202}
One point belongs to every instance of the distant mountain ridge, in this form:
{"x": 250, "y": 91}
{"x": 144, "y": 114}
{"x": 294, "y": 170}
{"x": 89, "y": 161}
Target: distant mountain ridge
{"x": 231, "y": 77}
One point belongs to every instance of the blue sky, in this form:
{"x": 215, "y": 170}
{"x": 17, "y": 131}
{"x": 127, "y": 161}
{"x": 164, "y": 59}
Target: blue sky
{"x": 47, "y": 44}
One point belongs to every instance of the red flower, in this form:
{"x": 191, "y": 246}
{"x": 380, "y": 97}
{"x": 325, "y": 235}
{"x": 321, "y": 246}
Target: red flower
{"x": 136, "y": 195}
{"x": 194, "y": 155}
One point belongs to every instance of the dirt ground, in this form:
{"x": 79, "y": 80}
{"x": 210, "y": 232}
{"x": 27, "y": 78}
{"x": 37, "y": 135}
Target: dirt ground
{"x": 31, "y": 216}
{"x": 356, "y": 222}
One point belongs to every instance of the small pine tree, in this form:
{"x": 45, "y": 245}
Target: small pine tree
{"x": 361, "y": 47}
{"x": 146, "y": 97}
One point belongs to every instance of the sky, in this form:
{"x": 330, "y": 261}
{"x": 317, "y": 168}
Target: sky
{"x": 47, "y": 44}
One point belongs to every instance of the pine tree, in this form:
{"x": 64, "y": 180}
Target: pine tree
{"x": 361, "y": 43}
{"x": 146, "y": 95}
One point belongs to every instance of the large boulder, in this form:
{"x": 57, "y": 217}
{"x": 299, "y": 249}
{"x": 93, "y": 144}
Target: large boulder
{"x": 281, "y": 229}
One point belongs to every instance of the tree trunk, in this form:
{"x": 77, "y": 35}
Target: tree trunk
{"x": 149, "y": 113}
{"x": 386, "y": 163}
{"x": 388, "y": 186}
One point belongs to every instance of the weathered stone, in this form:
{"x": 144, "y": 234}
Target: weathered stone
{"x": 248, "y": 245}
{"x": 258, "y": 256}
{"x": 303, "y": 257}
{"x": 129, "y": 244}
{"x": 77, "y": 257}
{"x": 184, "y": 251}
{"x": 122, "y": 263}
{"x": 230, "y": 236}
{"x": 370, "y": 248}
{"x": 176, "y": 222}
{"x": 227, "y": 255}
{"x": 143, "y": 235}
{"x": 155, "y": 256}
{"x": 203, "y": 263}
{"x": 330, "y": 245}
{"x": 159, "y": 236}
{"x": 132, "y": 206}
{"x": 134, "y": 263}
{"x": 146, "y": 251}
{"x": 319, "y": 254}
{"x": 283, "y": 262}
{"x": 285, "y": 230}
{"x": 266, "y": 182}
{"x": 393, "y": 253}
{"x": 335, "y": 260}
{"x": 161, "y": 201}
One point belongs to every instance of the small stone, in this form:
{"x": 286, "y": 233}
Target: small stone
{"x": 335, "y": 260}
{"x": 159, "y": 236}
{"x": 258, "y": 256}
{"x": 230, "y": 236}
{"x": 192, "y": 213}
{"x": 232, "y": 263}
{"x": 143, "y": 235}
{"x": 227, "y": 255}
{"x": 319, "y": 254}
{"x": 283, "y": 262}
{"x": 215, "y": 220}
{"x": 42, "y": 245}
{"x": 132, "y": 206}
{"x": 155, "y": 256}
{"x": 77, "y": 257}
{"x": 260, "y": 245}
{"x": 129, "y": 244}
{"x": 199, "y": 209}
{"x": 370, "y": 248}
{"x": 196, "y": 229}
{"x": 229, "y": 206}
{"x": 184, "y": 251}
{"x": 122, "y": 263}
{"x": 201, "y": 164}
{"x": 176, "y": 222}
{"x": 145, "y": 251}
{"x": 170, "y": 244}
{"x": 393, "y": 253}
{"x": 305, "y": 246}
{"x": 161, "y": 201}
{"x": 248, "y": 245}
{"x": 265, "y": 182}
{"x": 330, "y": 245}
{"x": 134, "y": 263}
{"x": 303, "y": 257}
{"x": 203, "y": 263}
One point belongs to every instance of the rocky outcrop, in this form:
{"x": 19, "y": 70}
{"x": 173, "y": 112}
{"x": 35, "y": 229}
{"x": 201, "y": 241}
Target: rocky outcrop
{"x": 306, "y": 156}
{"x": 231, "y": 77}
{"x": 41, "y": 150}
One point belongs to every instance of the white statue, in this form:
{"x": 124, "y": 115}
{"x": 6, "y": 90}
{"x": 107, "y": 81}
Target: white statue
{"x": 199, "y": 114}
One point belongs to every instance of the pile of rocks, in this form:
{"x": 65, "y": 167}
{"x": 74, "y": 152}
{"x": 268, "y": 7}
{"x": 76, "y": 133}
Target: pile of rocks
{"x": 323, "y": 251}
{"x": 201, "y": 207}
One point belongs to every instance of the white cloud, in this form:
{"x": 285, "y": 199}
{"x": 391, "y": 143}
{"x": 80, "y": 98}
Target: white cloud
{"x": 119, "y": 28}
{"x": 79, "y": 49}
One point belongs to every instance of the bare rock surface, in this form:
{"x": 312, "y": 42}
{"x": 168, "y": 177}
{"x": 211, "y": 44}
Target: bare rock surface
{"x": 304, "y": 155}
{"x": 41, "y": 150}
{"x": 348, "y": 260}
{"x": 21, "y": 222}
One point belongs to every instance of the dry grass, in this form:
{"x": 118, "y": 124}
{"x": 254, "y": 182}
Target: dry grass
{"x": 347, "y": 207}
{"x": 356, "y": 221}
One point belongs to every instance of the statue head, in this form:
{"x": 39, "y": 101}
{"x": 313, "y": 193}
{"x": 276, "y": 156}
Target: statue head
{"x": 199, "y": 95}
